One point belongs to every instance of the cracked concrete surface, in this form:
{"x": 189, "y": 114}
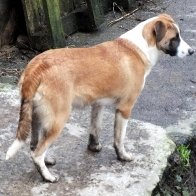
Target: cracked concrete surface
{"x": 82, "y": 172}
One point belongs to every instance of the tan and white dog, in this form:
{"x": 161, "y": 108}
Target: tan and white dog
{"x": 113, "y": 72}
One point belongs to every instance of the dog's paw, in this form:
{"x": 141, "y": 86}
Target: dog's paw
{"x": 122, "y": 155}
{"x": 50, "y": 161}
{"x": 95, "y": 148}
{"x": 94, "y": 144}
{"x": 51, "y": 178}
{"x": 125, "y": 157}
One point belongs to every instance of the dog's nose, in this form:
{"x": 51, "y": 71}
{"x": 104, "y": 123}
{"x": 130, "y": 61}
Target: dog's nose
{"x": 191, "y": 51}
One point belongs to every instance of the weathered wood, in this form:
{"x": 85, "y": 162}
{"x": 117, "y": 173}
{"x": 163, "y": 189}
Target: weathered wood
{"x": 8, "y": 22}
{"x": 36, "y": 24}
{"x": 69, "y": 24}
{"x": 68, "y": 18}
{"x": 8, "y": 29}
{"x": 53, "y": 16}
{"x": 4, "y": 14}
{"x": 44, "y": 25}
{"x": 50, "y": 21}
{"x": 127, "y": 4}
{"x": 95, "y": 10}
{"x": 107, "y": 5}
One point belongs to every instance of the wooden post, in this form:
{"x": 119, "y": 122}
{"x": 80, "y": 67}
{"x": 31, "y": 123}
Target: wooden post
{"x": 95, "y": 10}
{"x": 36, "y": 24}
{"x": 127, "y": 4}
{"x": 68, "y": 16}
{"x": 107, "y": 5}
{"x": 8, "y": 22}
{"x": 49, "y": 21}
{"x": 53, "y": 17}
{"x": 44, "y": 25}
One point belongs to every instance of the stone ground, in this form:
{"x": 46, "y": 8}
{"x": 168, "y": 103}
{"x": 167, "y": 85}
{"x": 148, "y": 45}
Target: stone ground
{"x": 82, "y": 172}
{"x": 168, "y": 100}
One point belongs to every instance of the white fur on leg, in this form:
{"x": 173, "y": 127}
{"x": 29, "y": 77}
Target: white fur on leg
{"x": 14, "y": 148}
{"x": 120, "y": 132}
{"x": 40, "y": 163}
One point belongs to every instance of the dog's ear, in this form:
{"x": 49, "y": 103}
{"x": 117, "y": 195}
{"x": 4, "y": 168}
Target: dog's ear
{"x": 159, "y": 30}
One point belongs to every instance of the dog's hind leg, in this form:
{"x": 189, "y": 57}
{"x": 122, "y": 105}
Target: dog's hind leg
{"x": 36, "y": 126}
{"x": 53, "y": 115}
{"x": 96, "y": 120}
{"x": 39, "y": 153}
{"x": 35, "y": 135}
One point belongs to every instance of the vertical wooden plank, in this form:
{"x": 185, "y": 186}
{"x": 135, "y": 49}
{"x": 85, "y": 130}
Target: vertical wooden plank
{"x": 36, "y": 24}
{"x": 95, "y": 9}
{"x": 107, "y": 5}
{"x": 66, "y": 6}
{"x": 8, "y": 22}
{"x": 68, "y": 16}
{"x": 33, "y": 15}
{"x": 127, "y": 4}
{"x": 78, "y": 3}
{"x": 53, "y": 16}
{"x": 131, "y": 4}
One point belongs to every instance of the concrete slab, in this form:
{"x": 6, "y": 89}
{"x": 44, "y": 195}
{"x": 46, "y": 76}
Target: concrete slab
{"x": 82, "y": 172}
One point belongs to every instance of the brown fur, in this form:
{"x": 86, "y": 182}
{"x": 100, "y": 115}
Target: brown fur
{"x": 166, "y": 31}
{"x": 56, "y": 79}
{"x": 24, "y": 125}
{"x": 102, "y": 73}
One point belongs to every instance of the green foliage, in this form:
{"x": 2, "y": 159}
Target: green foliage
{"x": 185, "y": 193}
{"x": 184, "y": 153}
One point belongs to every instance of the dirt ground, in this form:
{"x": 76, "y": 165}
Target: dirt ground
{"x": 179, "y": 180}
{"x": 12, "y": 62}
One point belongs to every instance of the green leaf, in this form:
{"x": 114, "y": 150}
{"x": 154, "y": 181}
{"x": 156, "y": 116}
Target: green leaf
{"x": 178, "y": 178}
{"x": 178, "y": 188}
{"x": 185, "y": 193}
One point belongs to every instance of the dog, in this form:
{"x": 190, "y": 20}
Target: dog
{"x": 113, "y": 72}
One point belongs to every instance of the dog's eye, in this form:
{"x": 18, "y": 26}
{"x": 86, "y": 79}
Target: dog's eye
{"x": 175, "y": 41}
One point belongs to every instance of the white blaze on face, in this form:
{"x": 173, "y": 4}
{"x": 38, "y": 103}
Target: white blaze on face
{"x": 183, "y": 49}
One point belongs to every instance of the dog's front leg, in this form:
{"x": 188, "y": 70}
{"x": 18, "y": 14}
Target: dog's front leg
{"x": 96, "y": 120}
{"x": 119, "y": 135}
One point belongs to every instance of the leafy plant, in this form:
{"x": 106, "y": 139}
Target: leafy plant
{"x": 184, "y": 153}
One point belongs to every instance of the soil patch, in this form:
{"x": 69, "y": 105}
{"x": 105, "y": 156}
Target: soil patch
{"x": 12, "y": 63}
{"x": 178, "y": 179}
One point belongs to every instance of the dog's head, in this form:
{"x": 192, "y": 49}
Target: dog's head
{"x": 166, "y": 36}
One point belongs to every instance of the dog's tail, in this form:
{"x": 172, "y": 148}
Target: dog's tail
{"x": 29, "y": 85}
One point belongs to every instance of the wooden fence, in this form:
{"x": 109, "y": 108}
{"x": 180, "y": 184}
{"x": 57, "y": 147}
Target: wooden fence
{"x": 48, "y": 22}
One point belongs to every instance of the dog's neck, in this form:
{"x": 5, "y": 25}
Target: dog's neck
{"x": 136, "y": 37}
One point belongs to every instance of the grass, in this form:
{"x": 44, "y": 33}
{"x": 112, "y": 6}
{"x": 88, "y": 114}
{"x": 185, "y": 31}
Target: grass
{"x": 184, "y": 153}
{"x": 179, "y": 178}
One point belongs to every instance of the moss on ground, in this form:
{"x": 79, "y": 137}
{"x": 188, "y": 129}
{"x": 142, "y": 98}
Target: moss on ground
{"x": 179, "y": 179}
